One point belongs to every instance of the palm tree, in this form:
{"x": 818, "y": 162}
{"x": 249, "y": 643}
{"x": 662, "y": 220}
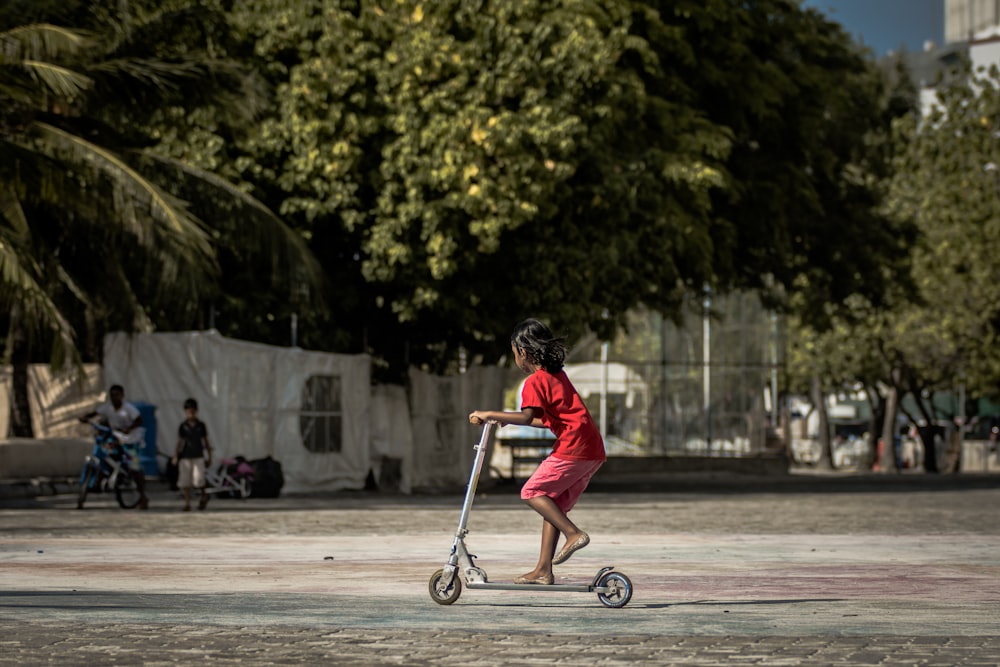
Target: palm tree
{"x": 90, "y": 238}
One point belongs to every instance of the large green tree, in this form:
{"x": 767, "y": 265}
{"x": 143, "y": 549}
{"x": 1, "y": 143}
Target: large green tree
{"x": 943, "y": 334}
{"x": 462, "y": 164}
{"x": 92, "y": 238}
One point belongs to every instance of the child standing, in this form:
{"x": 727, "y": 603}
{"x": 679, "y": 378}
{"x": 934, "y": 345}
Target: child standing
{"x": 549, "y": 400}
{"x": 193, "y": 453}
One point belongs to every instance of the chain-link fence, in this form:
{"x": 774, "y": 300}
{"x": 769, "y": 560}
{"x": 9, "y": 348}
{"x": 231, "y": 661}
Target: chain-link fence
{"x": 702, "y": 387}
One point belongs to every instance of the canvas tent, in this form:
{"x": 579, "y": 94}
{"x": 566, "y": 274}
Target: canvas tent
{"x": 307, "y": 410}
{"x": 316, "y": 413}
{"x": 443, "y": 438}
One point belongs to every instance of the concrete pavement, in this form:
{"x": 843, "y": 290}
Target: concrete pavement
{"x": 827, "y": 572}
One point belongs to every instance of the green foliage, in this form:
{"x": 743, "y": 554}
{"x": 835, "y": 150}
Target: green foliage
{"x": 456, "y": 166}
{"x": 948, "y": 182}
{"x": 95, "y": 234}
{"x": 468, "y": 163}
{"x": 945, "y": 181}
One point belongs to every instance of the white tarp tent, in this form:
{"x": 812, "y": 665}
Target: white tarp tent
{"x": 392, "y": 437}
{"x": 307, "y": 410}
{"x": 259, "y": 400}
{"x": 443, "y": 438}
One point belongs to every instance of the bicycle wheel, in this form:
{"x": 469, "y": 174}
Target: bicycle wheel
{"x": 127, "y": 490}
{"x": 86, "y": 479}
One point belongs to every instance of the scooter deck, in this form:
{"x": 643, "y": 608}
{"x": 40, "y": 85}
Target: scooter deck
{"x": 540, "y": 588}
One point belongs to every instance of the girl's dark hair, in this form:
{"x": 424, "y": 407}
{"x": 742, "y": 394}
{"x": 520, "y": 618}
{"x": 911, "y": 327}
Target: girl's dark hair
{"x": 537, "y": 343}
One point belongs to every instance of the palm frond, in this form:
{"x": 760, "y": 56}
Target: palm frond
{"x": 62, "y": 81}
{"x": 40, "y": 41}
{"x": 129, "y": 301}
{"x": 153, "y": 83}
{"x": 244, "y": 221}
{"x": 138, "y": 199}
{"x": 19, "y": 285}
{"x": 161, "y": 75}
{"x": 12, "y": 212}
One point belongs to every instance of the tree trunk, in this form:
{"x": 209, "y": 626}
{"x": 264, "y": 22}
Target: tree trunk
{"x": 887, "y": 461}
{"x": 877, "y": 405}
{"x": 929, "y": 435}
{"x": 819, "y": 402}
{"x": 20, "y": 346}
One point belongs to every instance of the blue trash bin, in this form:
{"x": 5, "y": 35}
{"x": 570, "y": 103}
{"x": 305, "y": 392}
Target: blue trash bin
{"x": 147, "y": 455}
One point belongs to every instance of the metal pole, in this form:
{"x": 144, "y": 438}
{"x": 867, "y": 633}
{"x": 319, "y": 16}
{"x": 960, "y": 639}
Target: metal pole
{"x": 775, "y": 414}
{"x": 604, "y": 390}
{"x": 706, "y": 353}
{"x": 961, "y": 414}
{"x": 663, "y": 380}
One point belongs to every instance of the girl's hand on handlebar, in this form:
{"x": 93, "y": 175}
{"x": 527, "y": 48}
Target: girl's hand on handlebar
{"x": 480, "y": 417}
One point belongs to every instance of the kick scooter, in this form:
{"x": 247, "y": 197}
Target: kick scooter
{"x": 613, "y": 589}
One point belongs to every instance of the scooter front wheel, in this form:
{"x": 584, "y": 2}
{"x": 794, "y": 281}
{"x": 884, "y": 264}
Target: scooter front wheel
{"x": 619, "y": 590}
{"x": 444, "y": 594}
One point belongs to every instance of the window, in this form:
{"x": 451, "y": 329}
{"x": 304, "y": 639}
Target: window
{"x": 321, "y": 417}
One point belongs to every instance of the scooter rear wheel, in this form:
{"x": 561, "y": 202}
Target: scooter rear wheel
{"x": 620, "y": 590}
{"x": 449, "y": 594}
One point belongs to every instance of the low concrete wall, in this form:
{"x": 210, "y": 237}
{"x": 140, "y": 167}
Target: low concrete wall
{"x": 27, "y": 458}
{"x": 748, "y": 465}
{"x": 980, "y": 456}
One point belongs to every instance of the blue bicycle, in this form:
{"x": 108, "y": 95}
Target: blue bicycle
{"x": 109, "y": 468}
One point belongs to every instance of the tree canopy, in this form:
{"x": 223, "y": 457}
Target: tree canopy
{"x": 456, "y": 166}
{"x": 93, "y": 234}
{"x": 459, "y": 165}
{"x": 941, "y": 333}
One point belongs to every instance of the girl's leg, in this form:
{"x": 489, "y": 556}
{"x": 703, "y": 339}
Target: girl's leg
{"x": 576, "y": 539}
{"x": 566, "y": 481}
{"x": 543, "y": 570}
{"x": 555, "y": 522}
{"x": 554, "y": 516}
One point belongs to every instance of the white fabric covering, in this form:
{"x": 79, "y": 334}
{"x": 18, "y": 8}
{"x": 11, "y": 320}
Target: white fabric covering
{"x": 443, "y": 438}
{"x": 249, "y": 395}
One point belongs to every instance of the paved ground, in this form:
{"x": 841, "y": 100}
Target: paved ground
{"x": 872, "y": 570}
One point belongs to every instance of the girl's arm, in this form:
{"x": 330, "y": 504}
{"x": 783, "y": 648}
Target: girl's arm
{"x": 525, "y": 417}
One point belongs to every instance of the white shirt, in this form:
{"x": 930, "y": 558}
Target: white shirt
{"x": 121, "y": 419}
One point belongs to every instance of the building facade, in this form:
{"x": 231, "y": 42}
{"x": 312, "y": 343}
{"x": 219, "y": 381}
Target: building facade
{"x": 965, "y": 19}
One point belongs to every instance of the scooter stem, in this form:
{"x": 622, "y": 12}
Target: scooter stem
{"x": 477, "y": 467}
